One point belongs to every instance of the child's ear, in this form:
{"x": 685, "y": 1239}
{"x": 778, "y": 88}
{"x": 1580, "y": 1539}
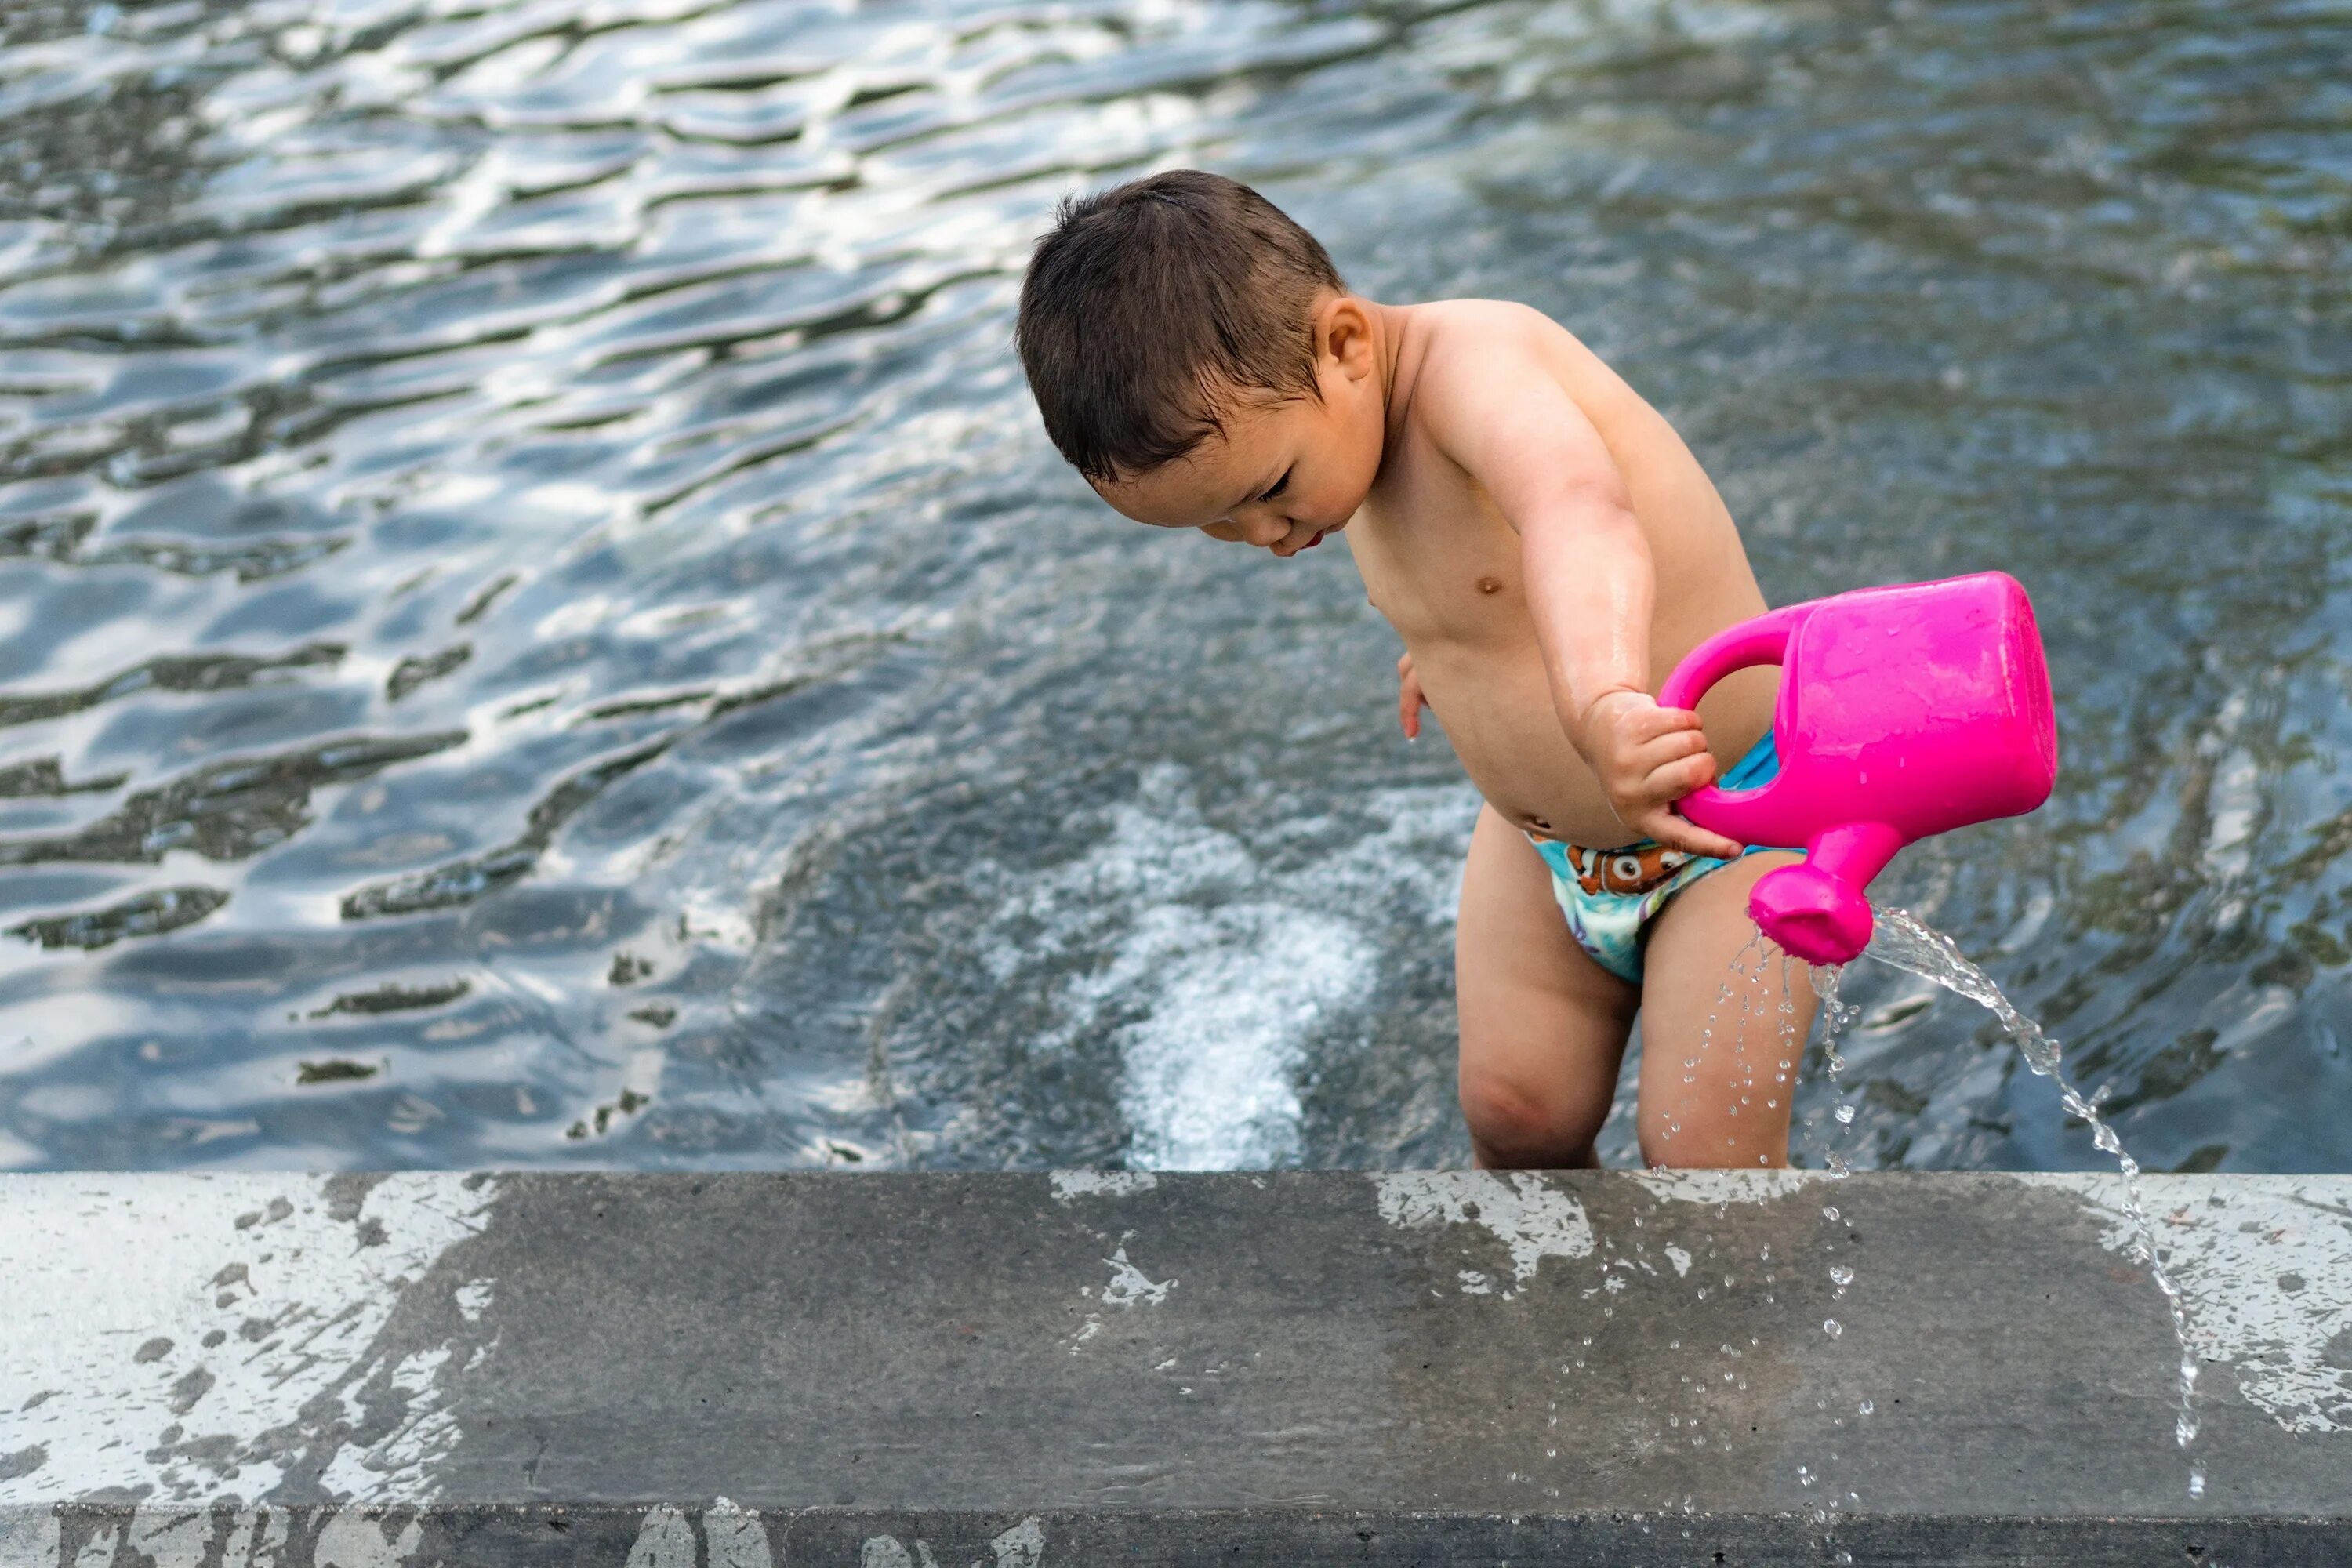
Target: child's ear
{"x": 1343, "y": 335}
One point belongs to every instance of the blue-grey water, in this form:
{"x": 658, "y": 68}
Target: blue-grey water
{"x": 536, "y": 625}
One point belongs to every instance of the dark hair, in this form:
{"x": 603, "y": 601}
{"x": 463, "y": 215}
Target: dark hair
{"x": 1151, "y": 304}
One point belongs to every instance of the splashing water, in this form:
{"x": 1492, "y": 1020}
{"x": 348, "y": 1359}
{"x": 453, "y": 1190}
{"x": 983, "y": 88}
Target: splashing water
{"x": 1837, "y": 1015}
{"x": 1742, "y": 1011}
{"x": 1900, "y": 939}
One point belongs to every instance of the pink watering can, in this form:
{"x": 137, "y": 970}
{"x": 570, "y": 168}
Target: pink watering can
{"x": 1903, "y": 712}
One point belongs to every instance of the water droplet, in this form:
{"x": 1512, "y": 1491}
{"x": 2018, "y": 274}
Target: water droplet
{"x": 1841, "y": 1276}
{"x": 1866, "y": 1407}
{"x": 1832, "y": 1327}
{"x": 2197, "y": 1481}
{"x": 1845, "y": 1115}
{"x": 1829, "y": 1213}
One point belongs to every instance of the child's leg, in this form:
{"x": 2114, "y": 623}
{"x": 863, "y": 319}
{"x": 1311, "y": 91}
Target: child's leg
{"x": 1719, "y": 1073}
{"x": 1543, "y": 1026}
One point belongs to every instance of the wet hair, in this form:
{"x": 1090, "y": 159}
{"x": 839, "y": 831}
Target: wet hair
{"x": 1152, "y": 305}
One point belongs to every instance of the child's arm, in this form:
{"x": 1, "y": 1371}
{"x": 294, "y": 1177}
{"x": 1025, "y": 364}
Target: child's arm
{"x": 1589, "y": 584}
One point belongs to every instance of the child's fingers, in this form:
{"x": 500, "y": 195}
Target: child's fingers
{"x": 1408, "y": 708}
{"x": 1667, "y": 751}
{"x": 1669, "y": 782}
{"x": 1674, "y": 720}
{"x": 1681, "y": 832}
{"x": 1674, "y": 777}
{"x": 1677, "y": 832}
{"x": 1643, "y": 724}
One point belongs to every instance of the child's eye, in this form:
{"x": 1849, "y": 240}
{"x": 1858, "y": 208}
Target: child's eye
{"x": 1280, "y": 485}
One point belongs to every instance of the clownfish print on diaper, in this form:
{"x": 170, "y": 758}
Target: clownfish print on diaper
{"x": 1624, "y": 871}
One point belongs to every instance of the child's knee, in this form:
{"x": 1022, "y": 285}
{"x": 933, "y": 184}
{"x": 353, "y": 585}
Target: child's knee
{"x": 1513, "y": 1122}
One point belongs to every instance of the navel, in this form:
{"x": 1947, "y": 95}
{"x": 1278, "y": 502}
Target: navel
{"x": 1490, "y": 584}
{"x": 1538, "y": 825}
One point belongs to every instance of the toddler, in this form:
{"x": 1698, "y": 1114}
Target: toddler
{"x": 1547, "y": 548}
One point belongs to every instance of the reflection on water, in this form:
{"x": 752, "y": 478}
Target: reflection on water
{"x": 538, "y": 627}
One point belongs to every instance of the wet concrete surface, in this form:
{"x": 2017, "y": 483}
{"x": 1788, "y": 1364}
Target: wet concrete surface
{"x": 1109, "y": 1367}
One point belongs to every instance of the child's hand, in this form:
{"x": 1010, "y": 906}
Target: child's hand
{"x": 1648, "y": 757}
{"x": 1410, "y": 702}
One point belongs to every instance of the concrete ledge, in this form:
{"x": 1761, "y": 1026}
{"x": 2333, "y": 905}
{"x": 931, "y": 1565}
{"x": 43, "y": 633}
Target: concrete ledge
{"x": 1040, "y": 1372}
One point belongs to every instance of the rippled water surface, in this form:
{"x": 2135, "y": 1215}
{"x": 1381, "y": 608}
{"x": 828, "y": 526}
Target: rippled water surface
{"x": 538, "y": 626}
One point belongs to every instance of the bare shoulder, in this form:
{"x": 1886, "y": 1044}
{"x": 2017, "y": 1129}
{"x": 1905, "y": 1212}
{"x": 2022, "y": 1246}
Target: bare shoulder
{"x": 1478, "y": 364}
{"x": 1471, "y": 351}
{"x": 1457, "y": 329}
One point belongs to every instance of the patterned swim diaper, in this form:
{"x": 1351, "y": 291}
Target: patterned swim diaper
{"x": 1611, "y": 896}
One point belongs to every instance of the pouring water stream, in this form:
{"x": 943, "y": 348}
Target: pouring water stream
{"x": 1906, "y": 942}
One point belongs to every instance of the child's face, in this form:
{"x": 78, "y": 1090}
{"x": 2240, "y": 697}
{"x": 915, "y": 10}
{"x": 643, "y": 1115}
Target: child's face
{"x": 1285, "y": 473}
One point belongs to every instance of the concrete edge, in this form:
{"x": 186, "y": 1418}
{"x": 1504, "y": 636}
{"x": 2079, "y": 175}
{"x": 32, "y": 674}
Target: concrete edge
{"x": 721, "y": 1535}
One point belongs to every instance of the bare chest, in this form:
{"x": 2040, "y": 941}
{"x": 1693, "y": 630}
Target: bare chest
{"x": 1437, "y": 559}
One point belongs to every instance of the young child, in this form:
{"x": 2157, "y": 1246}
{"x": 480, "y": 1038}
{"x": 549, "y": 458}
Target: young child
{"x": 1547, "y": 548}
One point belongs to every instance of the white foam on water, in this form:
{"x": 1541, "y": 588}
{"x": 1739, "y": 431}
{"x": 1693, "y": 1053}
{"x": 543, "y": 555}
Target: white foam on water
{"x": 1235, "y": 992}
{"x": 1217, "y": 969}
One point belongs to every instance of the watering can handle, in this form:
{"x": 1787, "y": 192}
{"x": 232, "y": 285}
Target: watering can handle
{"x": 1764, "y": 640}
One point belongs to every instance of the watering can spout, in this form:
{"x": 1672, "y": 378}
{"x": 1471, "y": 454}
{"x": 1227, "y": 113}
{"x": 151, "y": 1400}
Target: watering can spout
{"x": 1817, "y": 909}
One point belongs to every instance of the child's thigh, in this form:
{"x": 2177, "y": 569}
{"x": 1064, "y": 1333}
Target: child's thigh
{"x": 1719, "y": 1054}
{"x": 1542, "y": 1024}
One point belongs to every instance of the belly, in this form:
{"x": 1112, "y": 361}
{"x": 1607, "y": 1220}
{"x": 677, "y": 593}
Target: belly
{"x": 1496, "y": 705}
